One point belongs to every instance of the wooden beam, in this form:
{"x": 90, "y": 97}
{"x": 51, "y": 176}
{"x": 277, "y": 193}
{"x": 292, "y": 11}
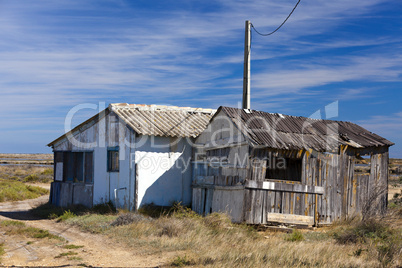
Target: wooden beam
{"x": 284, "y": 187}
{"x": 290, "y": 219}
{"x": 223, "y": 188}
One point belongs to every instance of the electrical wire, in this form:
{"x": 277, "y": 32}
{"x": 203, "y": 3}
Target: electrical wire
{"x": 279, "y": 25}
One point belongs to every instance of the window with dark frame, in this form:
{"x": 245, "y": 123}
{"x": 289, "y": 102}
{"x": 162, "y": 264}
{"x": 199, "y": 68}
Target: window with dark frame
{"x": 113, "y": 159}
{"x": 77, "y": 166}
{"x": 281, "y": 168}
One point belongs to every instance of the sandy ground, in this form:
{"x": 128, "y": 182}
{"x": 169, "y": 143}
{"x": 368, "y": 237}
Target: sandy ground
{"x": 97, "y": 251}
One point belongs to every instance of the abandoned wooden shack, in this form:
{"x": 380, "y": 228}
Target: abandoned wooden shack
{"x": 130, "y": 155}
{"x": 271, "y": 168}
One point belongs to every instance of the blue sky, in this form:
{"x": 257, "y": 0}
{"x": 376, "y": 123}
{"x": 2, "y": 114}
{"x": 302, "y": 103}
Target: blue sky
{"x": 55, "y": 55}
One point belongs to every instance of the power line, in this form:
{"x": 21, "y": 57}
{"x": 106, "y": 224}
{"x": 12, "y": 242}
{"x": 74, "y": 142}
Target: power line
{"x": 279, "y": 25}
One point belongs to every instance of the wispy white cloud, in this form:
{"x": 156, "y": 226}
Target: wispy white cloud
{"x": 294, "y": 80}
{"x": 387, "y": 126}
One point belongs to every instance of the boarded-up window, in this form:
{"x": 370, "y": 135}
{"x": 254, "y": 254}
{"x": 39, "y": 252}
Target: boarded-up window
{"x": 280, "y": 168}
{"x": 78, "y": 167}
{"x": 113, "y": 159}
{"x": 89, "y": 168}
{"x": 68, "y": 164}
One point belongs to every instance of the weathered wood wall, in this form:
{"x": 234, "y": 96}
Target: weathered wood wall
{"x": 340, "y": 191}
{"x": 344, "y": 192}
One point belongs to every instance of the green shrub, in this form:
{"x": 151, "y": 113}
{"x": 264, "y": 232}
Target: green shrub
{"x": 66, "y": 215}
{"x": 295, "y": 236}
{"x": 31, "y": 178}
{"x": 182, "y": 261}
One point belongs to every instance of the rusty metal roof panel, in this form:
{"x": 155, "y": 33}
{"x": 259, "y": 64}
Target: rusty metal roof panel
{"x": 295, "y": 133}
{"x": 158, "y": 120}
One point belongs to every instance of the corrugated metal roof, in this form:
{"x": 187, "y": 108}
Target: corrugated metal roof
{"x": 155, "y": 120}
{"x": 159, "y": 120}
{"x": 295, "y": 133}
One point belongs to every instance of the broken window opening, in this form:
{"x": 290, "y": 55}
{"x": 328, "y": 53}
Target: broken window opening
{"x": 281, "y": 168}
{"x": 362, "y": 164}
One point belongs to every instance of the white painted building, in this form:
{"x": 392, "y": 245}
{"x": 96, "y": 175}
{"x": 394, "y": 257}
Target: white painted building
{"x": 131, "y": 155}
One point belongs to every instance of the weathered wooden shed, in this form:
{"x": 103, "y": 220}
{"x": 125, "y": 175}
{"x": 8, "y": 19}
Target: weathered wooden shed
{"x": 129, "y": 154}
{"x": 262, "y": 167}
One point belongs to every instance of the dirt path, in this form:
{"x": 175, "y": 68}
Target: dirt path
{"x": 97, "y": 250}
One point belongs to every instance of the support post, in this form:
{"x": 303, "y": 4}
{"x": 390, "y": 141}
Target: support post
{"x": 246, "y": 73}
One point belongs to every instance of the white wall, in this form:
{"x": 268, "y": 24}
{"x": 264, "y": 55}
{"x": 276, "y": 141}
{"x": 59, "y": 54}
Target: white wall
{"x": 164, "y": 172}
{"x": 166, "y": 179}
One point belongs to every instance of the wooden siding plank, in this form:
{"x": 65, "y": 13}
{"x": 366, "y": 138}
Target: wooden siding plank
{"x": 258, "y": 206}
{"x": 278, "y": 202}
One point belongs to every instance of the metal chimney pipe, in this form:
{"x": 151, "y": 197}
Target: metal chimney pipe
{"x": 246, "y": 72}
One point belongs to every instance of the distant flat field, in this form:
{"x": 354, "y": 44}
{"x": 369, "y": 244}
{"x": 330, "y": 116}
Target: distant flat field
{"x": 26, "y": 159}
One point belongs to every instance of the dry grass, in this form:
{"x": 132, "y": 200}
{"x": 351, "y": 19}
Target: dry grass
{"x": 15, "y": 191}
{"x": 27, "y": 173}
{"x": 213, "y": 241}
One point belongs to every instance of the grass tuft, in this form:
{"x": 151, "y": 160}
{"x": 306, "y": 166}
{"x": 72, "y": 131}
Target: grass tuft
{"x": 19, "y": 228}
{"x": 2, "y": 251}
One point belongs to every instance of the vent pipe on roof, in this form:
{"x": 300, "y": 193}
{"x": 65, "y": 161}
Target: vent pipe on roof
{"x": 246, "y": 73}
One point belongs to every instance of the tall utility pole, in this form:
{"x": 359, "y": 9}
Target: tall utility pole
{"x": 246, "y": 73}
